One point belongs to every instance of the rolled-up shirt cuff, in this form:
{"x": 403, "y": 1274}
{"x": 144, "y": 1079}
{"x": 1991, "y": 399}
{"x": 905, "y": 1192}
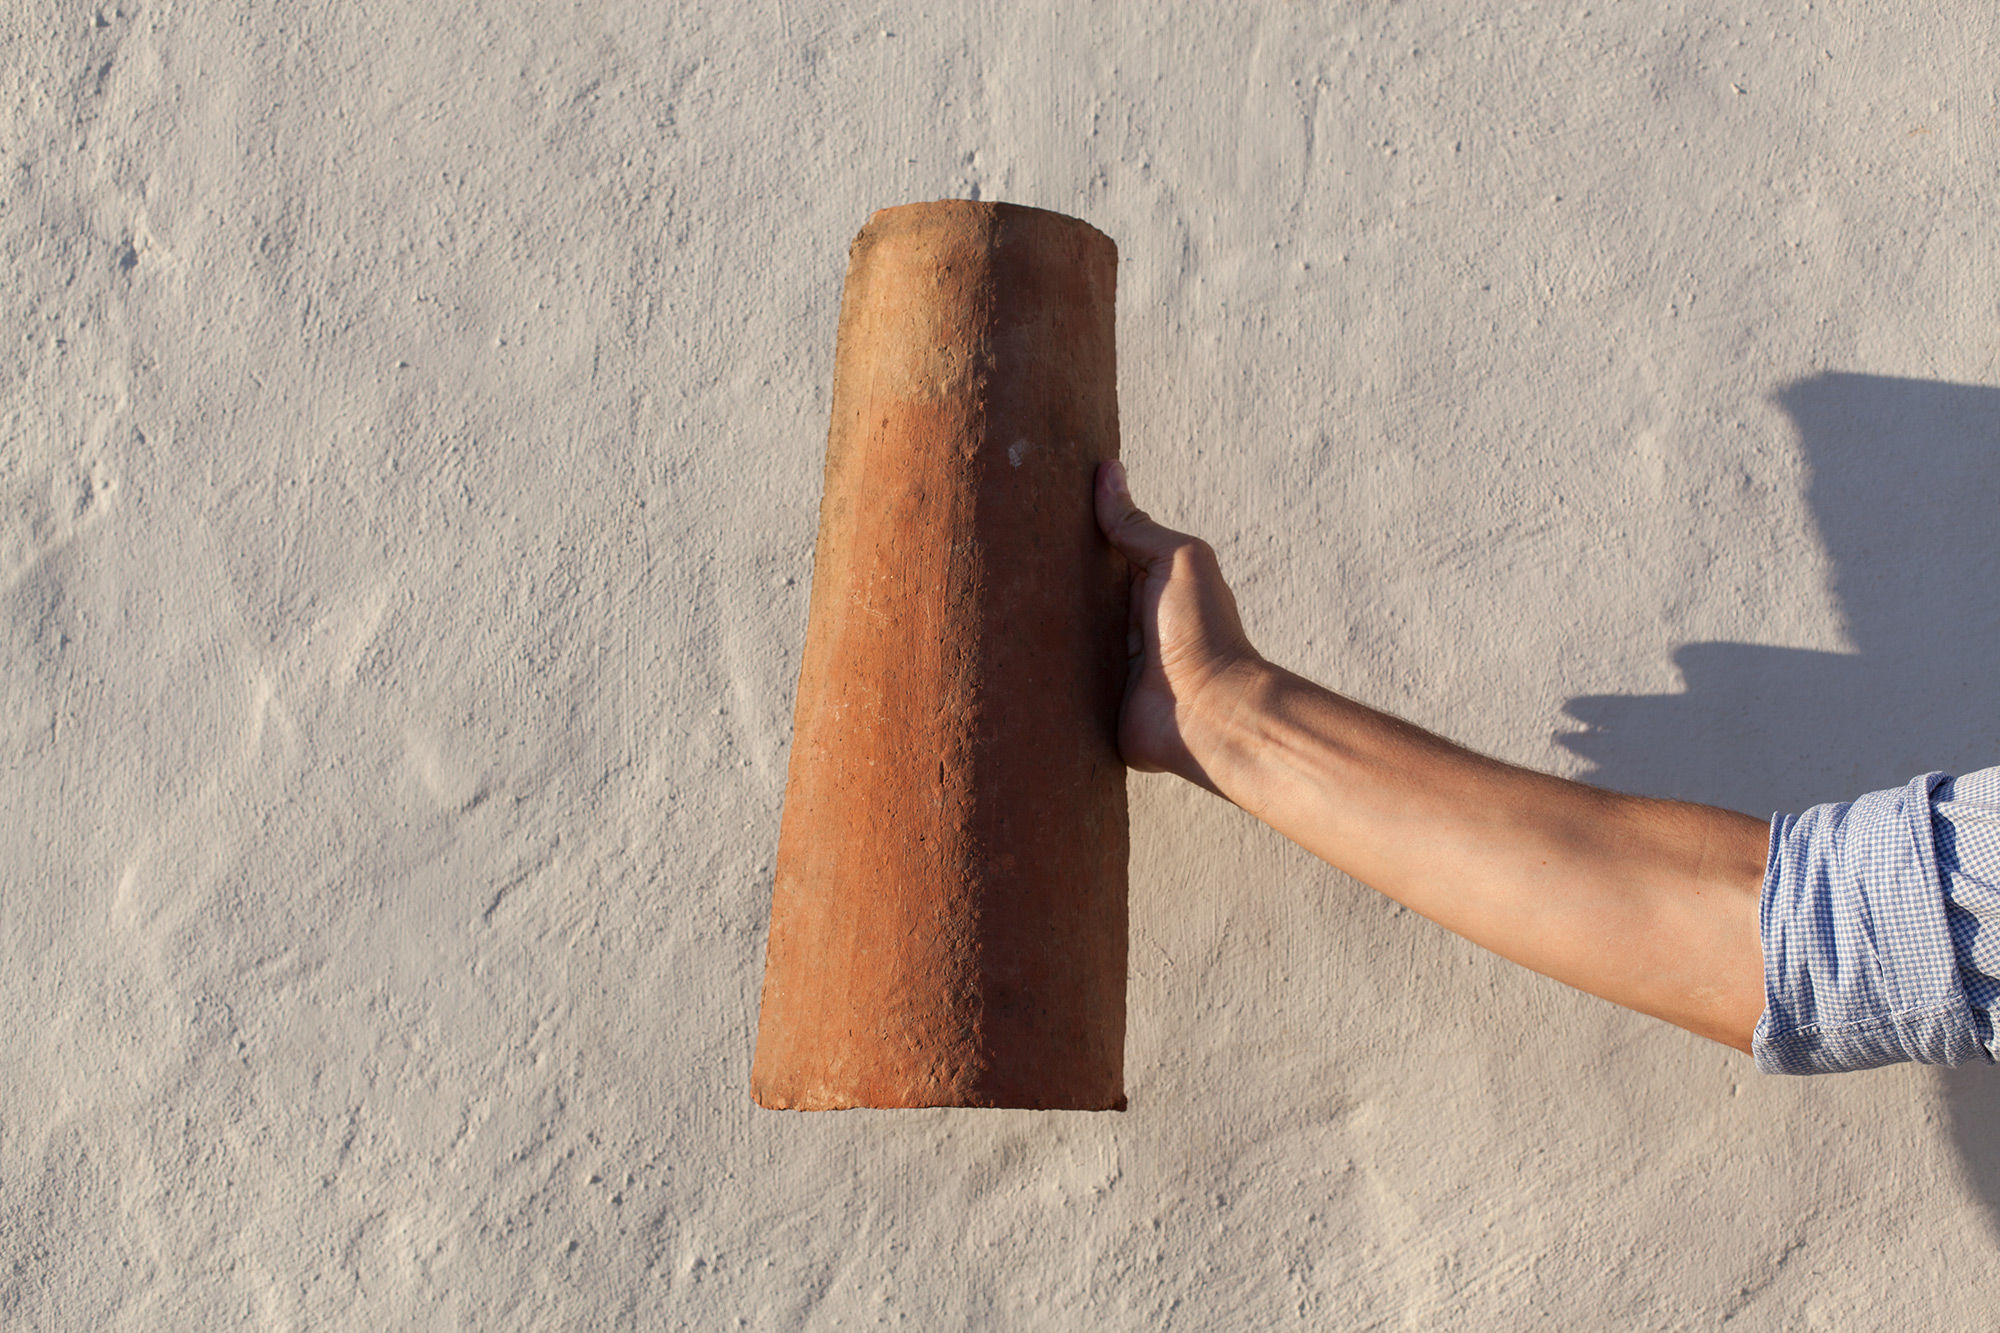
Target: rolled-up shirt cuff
{"x": 1862, "y": 961}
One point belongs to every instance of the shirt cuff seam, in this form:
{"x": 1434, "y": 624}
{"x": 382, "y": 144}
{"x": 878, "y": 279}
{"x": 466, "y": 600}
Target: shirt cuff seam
{"x": 1943, "y": 1008}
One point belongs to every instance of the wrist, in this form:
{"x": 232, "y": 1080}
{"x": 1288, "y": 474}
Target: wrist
{"x": 1220, "y": 720}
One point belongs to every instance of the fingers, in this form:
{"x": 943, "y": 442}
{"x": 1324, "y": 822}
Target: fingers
{"x": 1137, "y": 537}
{"x": 1135, "y": 623}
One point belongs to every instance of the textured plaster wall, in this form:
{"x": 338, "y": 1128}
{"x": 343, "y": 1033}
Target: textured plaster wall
{"x": 410, "y": 431}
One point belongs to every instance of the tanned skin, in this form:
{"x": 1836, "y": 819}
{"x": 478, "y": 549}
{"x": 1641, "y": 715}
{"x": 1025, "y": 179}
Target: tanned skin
{"x": 1647, "y": 903}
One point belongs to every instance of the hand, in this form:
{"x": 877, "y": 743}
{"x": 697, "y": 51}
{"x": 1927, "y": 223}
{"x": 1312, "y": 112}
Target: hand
{"x": 1184, "y": 636}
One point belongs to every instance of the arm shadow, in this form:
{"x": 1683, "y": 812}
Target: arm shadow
{"x": 1905, "y": 489}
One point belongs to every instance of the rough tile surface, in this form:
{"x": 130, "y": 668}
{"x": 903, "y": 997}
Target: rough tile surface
{"x": 949, "y": 921}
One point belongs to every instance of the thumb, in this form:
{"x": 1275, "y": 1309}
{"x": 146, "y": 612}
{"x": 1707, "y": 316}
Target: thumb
{"x": 1138, "y": 538}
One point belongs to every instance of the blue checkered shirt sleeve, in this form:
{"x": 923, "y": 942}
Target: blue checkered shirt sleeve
{"x": 1880, "y": 920}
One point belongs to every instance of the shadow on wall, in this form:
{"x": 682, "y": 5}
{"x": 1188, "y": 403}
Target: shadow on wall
{"x": 1905, "y": 485}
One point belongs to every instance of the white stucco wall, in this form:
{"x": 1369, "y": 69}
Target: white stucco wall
{"x": 408, "y": 464}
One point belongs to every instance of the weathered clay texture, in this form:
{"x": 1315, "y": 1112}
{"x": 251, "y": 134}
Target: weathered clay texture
{"x": 948, "y": 923}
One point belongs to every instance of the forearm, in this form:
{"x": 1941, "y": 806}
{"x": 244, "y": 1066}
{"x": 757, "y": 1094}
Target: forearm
{"x": 1650, "y": 904}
